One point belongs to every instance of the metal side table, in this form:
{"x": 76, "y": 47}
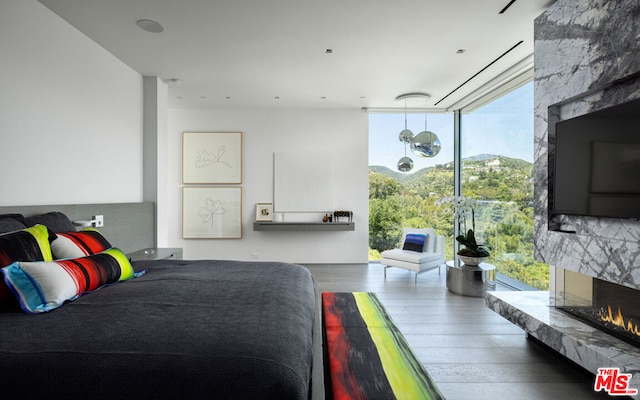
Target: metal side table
{"x": 473, "y": 281}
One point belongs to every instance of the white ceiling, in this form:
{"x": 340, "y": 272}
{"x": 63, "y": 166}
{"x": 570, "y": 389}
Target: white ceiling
{"x": 245, "y": 53}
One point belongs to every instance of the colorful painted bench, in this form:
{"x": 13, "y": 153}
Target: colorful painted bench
{"x": 366, "y": 356}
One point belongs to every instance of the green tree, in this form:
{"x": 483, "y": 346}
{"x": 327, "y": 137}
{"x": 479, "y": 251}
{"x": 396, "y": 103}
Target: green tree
{"x": 382, "y": 186}
{"x": 385, "y": 228}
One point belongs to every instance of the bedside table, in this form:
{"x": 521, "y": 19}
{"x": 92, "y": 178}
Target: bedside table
{"x": 162, "y": 253}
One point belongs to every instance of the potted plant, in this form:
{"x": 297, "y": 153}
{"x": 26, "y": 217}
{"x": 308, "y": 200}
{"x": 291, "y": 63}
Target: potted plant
{"x": 472, "y": 253}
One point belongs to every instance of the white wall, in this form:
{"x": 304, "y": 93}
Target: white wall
{"x": 345, "y": 133}
{"x": 70, "y": 114}
{"x": 71, "y": 132}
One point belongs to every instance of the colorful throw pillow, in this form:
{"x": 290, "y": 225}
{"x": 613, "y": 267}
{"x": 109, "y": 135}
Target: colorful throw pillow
{"x": 414, "y": 242}
{"x": 44, "y": 286}
{"x": 29, "y": 244}
{"x": 78, "y": 244}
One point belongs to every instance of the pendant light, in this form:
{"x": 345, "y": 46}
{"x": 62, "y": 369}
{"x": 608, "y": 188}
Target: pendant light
{"x": 426, "y": 143}
{"x": 405, "y": 135}
{"x": 405, "y": 164}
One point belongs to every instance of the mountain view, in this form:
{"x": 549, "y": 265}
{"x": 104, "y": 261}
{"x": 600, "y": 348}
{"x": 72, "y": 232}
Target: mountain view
{"x": 503, "y": 187}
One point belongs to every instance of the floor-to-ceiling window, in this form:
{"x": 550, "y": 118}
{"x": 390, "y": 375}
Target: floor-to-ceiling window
{"x": 406, "y": 199}
{"x": 496, "y": 164}
{"x": 496, "y": 169}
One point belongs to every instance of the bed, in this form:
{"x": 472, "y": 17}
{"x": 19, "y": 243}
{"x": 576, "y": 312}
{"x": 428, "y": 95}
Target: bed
{"x": 204, "y": 329}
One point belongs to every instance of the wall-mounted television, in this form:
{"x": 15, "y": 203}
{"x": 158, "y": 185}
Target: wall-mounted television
{"x": 595, "y": 170}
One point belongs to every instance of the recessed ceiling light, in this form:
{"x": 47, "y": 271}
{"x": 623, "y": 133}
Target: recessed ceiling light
{"x": 173, "y": 81}
{"x": 204, "y": 97}
{"x": 460, "y": 51}
{"x": 277, "y": 97}
{"x": 328, "y": 51}
{"x": 323, "y": 97}
{"x": 149, "y": 25}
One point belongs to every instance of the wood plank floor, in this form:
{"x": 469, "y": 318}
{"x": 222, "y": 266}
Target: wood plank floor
{"x": 470, "y": 351}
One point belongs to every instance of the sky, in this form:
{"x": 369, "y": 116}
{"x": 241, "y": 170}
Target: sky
{"x": 503, "y": 127}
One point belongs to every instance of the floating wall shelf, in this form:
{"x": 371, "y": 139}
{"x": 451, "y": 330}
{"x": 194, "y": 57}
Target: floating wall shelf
{"x": 303, "y": 226}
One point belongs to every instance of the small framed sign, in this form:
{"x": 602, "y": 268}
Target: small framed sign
{"x": 264, "y": 212}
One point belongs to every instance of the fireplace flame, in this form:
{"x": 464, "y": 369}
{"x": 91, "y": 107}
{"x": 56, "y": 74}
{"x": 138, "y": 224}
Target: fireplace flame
{"x": 618, "y": 320}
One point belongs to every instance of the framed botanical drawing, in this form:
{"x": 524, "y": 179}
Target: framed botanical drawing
{"x": 211, "y": 157}
{"x": 264, "y": 212}
{"x": 212, "y": 212}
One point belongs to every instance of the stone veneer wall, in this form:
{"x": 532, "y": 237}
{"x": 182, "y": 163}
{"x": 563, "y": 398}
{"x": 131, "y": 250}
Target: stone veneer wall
{"x": 587, "y": 57}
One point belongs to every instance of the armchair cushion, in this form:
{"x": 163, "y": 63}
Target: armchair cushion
{"x": 411, "y": 256}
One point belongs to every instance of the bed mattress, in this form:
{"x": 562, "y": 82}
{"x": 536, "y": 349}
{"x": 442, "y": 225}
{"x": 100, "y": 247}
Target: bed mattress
{"x": 185, "y": 330}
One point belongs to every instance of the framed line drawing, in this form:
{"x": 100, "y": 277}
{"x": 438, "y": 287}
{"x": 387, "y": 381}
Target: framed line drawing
{"x": 211, "y": 157}
{"x": 212, "y": 213}
{"x": 264, "y": 212}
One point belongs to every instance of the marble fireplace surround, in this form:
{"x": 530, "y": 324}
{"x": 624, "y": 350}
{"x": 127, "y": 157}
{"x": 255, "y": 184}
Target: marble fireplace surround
{"x": 583, "y": 344}
{"x": 586, "y": 59}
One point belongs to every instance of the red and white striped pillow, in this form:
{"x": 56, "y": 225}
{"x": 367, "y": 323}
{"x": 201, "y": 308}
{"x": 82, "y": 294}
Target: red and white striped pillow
{"x": 78, "y": 244}
{"x": 46, "y": 285}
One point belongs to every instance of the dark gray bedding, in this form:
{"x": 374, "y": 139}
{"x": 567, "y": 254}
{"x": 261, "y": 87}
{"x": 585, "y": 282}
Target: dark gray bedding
{"x": 184, "y": 330}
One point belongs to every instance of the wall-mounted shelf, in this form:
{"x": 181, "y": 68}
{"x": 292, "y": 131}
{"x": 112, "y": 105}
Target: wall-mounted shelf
{"x": 304, "y": 226}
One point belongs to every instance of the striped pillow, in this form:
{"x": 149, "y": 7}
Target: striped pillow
{"x": 414, "y": 242}
{"x": 44, "y": 286}
{"x": 79, "y": 244}
{"x": 29, "y": 244}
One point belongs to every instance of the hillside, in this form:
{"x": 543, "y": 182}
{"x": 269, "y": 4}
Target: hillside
{"x": 481, "y": 173}
{"x": 400, "y": 176}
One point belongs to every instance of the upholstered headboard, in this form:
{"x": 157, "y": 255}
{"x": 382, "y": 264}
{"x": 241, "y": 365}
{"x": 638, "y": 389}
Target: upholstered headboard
{"x": 128, "y": 226}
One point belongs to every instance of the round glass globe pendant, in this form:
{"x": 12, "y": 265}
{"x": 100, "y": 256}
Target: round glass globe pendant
{"x": 426, "y": 144}
{"x": 405, "y": 164}
{"x": 405, "y": 136}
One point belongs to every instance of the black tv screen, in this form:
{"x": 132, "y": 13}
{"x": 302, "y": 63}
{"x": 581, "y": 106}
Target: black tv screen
{"x": 596, "y": 167}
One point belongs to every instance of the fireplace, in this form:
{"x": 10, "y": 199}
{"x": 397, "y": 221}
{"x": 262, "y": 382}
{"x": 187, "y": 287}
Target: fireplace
{"x": 607, "y": 306}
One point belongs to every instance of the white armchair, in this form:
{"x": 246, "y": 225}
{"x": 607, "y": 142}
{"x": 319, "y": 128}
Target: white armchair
{"x": 431, "y": 256}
